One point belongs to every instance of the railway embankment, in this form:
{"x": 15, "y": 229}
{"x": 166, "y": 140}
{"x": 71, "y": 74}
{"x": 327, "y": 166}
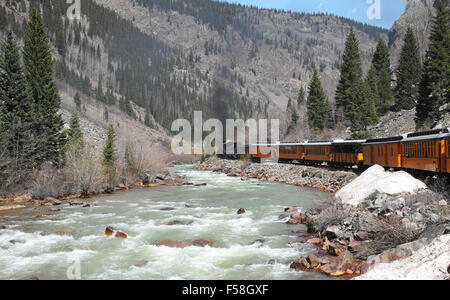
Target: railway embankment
{"x": 315, "y": 177}
{"x": 379, "y": 224}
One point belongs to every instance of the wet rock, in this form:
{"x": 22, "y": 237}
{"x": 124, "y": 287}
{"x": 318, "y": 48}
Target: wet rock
{"x": 86, "y": 205}
{"x": 2, "y": 227}
{"x": 314, "y": 241}
{"x": 52, "y": 201}
{"x": 174, "y": 244}
{"x": 201, "y": 184}
{"x": 291, "y": 209}
{"x": 76, "y": 202}
{"x": 121, "y": 235}
{"x": 179, "y": 222}
{"x": 202, "y": 243}
{"x": 333, "y": 232}
{"x": 111, "y": 231}
{"x": 141, "y": 264}
{"x": 241, "y": 211}
{"x": 271, "y": 262}
{"x": 168, "y": 208}
{"x": 336, "y": 249}
{"x": 54, "y": 209}
{"x": 300, "y": 264}
{"x": 283, "y": 216}
{"x": 314, "y": 261}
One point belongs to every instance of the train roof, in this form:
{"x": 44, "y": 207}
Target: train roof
{"x": 292, "y": 144}
{"x": 388, "y": 140}
{"x": 317, "y": 143}
{"x": 428, "y": 135}
{"x": 348, "y": 142}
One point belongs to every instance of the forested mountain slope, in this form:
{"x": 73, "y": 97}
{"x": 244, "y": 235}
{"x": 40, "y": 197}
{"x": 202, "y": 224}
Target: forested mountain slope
{"x": 161, "y": 60}
{"x": 264, "y": 56}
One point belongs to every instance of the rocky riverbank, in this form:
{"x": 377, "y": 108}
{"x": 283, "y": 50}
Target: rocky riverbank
{"x": 376, "y": 219}
{"x": 379, "y": 218}
{"x": 148, "y": 181}
{"x": 319, "y": 178}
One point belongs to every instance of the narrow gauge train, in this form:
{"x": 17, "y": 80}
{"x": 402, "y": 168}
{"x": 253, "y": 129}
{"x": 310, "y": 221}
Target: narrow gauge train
{"x": 423, "y": 151}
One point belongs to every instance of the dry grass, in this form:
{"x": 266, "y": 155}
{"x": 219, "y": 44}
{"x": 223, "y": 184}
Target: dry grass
{"x": 332, "y": 215}
{"x": 244, "y": 160}
{"x": 84, "y": 169}
{"x": 50, "y": 182}
{"x": 389, "y": 233}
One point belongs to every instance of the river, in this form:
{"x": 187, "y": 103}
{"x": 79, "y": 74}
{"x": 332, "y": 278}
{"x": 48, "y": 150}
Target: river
{"x": 255, "y": 245}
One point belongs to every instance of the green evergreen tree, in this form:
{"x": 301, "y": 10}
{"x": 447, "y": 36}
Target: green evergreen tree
{"x": 408, "y": 73}
{"x": 77, "y": 101}
{"x": 16, "y": 109}
{"x": 351, "y": 73}
{"x": 382, "y": 65}
{"x": 434, "y": 85}
{"x": 109, "y": 152}
{"x": 362, "y": 112}
{"x": 39, "y": 74}
{"x": 318, "y": 106}
{"x": 372, "y": 80}
{"x": 75, "y": 134}
{"x": 301, "y": 96}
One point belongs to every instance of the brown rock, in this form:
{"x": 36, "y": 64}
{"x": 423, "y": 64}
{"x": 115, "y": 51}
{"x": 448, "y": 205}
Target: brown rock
{"x": 173, "y": 244}
{"x": 168, "y": 208}
{"x": 301, "y": 264}
{"x": 178, "y": 222}
{"x": 141, "y": 264}
{"x": 328, "y": 269}
{"x": 241, "y": 211}
{"x": 291, "y": 209}
{"x": 313, "y": 260}
{"x": 202, "y": 243}
{"x": 315, "y": 241}
{"x": 201, "y": 184}
{"x": 76, "y": 202}
{"x": 336, "y": 249}
{"x": 53, "y": 201}
{"x": 121, "y": 235}
{"x": 109, "y": 231}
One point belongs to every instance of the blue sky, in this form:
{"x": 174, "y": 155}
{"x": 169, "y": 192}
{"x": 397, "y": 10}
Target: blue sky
{"x": 389, "y": 10}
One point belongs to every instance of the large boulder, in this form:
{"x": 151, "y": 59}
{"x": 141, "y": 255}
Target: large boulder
{"x": 376, "y": 180}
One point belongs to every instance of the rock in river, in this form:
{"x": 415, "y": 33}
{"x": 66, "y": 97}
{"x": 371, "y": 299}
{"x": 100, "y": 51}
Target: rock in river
{"x": 111, "y": 231}
{"x": 241, "y": 211}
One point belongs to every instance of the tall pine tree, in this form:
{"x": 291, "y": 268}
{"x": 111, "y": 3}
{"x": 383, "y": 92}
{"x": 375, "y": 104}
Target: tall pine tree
{"x": 301, "y": 96}
{"x": 381, "y": 64}
{"x": 39, "y": 74}
{"x": 16, "y": 105}
{"x": 434, "y": 86}
{"x": 408, "y": 73}
{"x": 351, "y": 73}
{"x": 318, "y": 106}
{"x": 109, "y": 152}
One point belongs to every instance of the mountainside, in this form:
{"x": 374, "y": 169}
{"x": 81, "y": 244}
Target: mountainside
{"x": 263, "y": 55}
{"x": 418, "y": 14}
{"x": 156, "y": 61}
